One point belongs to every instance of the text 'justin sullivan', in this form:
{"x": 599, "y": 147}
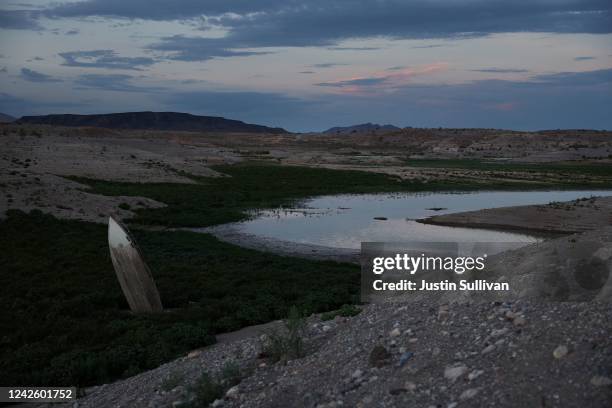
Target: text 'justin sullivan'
{"x": 408, "y": 285}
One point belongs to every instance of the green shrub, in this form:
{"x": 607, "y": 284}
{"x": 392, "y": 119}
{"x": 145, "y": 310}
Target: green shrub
{"x": 287, "y": 343}
{"x": 206, "y": 390}
{"x": 230, "y": 374}
{"x": 344, "y": 311}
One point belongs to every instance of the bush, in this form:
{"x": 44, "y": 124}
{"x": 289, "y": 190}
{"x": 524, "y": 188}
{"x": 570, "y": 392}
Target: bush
{"x": 206, "y": 390}
{"x": 287, "y": 343}
{"x": 344, "y": 311}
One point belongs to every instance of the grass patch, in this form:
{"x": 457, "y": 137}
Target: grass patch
{"x": 65, "y": 320}
{"x": 344, "y": 311}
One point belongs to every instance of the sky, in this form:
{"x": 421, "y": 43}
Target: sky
{"x": 310, "y": 65}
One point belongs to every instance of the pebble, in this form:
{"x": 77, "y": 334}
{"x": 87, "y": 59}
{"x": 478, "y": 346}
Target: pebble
{"x": 475, "y": 374}
{"x": 326, "y": 328}
{"x": 410, "y": 386}
{"x": 232, "y": 392}
{"x": 560, "y": 352}
{"x": 404, "y": 358}
{"x": 499, "y": 332}
{"x": 519, "y": 321}
{"x": 453, "y": 373}
{"x": 601, "y": 381}
{"x": 379, "y": 356}
{"x": 395, "y": 332}
{"x": 469, "y": 393}
{"x": 217, "y": 403}
{"x": 194, "y": 353}
{"x": 357, "y": 374}
{"x": 488, "y": 349}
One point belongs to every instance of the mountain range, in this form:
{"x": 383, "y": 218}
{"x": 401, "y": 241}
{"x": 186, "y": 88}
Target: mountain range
{"x": 4, "y": 118}
{"x": 151, "y": 121}
{"x": 362, "y": 128}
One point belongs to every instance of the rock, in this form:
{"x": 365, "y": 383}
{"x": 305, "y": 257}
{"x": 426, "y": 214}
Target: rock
{"x": 519, "y": 321}
{"x": 397, "y": 391}
{"x": 410, "y": 386}
{"x": 404, "y": 358}
{"x": 475, "y": 374}
{"x": 488, "y": 349}
{"x": 218, "y": 403}
{"x": 469, "y": 393}
{"x": 452, "y": 405}
{"x": 233, "y": 392}
{"x": 379, "y": 356}
{"x": 560, "y": 352}
{"x": 357, "y": 374}
{"x": 326, "y": 328}
{"x": 499, "y": 332}
{"x": 395, "y": 332}
{"x": 453, "y": 373}
{"x": 179, "y": 404}
{"x": 194, "y": 353}
{"x": 601, "y": 381}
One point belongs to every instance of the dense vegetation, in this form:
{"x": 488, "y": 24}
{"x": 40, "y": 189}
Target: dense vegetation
{"x": 65, "y": 321}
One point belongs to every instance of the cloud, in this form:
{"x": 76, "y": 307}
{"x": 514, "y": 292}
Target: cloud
{"x": 307, "y": 72}
{"x": 416, "y": 47}
{"x": 328, "y": 65}
{"x": 199, "y": 49}
{"x": 355, "y": 82}
{"x": 398, "y": 77}
{"x": 34, "y": 76}
{"x": 72, "y": 32}
{"x": 111, "y": 82}
{"x": 19, "y": 20}
{"x": 501, "y": 70}
{"x": 584, "y": 58}
{"x": 3, "y": 70}
{"x": 104, "y": 59}
{"x": 584, "y": 78}
{"x": 353, "y": 48}
{"x": 325, "y": 23}
{"x": 160, "y": 10}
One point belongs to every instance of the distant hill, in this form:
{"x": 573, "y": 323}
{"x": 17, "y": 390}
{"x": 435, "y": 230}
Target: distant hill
{"x": 363, "y": 128}
{"x": 4, "y": 118}
{"x": 152, "y": 121}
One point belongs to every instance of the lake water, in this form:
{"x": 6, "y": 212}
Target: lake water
{"x": 344, "y": 221}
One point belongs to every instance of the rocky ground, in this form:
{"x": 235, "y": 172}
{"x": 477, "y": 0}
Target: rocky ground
{"x": 513, "y": 354}
{"x": 536, "y": 350}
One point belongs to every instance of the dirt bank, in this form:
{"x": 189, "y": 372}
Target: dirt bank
{"x": 566, "y": 217}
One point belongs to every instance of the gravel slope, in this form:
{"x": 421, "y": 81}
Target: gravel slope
{"x": 423, "y": 352}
